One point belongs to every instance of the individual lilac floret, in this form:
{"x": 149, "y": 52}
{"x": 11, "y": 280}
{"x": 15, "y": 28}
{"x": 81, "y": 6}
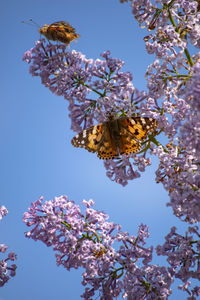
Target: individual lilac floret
{"x": 6, "y": 271}
{"x": 27, "y": 56}
{"x": 87, "y": 240}
{"x": 3, "y": 211}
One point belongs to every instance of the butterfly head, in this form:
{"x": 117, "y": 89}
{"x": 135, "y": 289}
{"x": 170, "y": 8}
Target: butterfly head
{"x": 43, "y": 30}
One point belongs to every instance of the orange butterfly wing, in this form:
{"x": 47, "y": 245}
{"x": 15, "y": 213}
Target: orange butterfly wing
{"x": 133, "y": 131}
{"x": 117, "y": 137}
{"x": 59, "y": 31}
{"x": 96, "y": 139}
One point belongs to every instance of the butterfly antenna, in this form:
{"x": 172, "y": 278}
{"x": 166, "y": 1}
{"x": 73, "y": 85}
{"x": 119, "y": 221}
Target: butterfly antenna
{"x": 33, "y": 22}
{"x": 30, "y": 23}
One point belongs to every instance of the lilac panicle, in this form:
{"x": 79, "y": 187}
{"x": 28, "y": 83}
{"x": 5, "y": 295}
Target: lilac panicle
{"x": 95, "y": 90}
{"x": 87, "y": 240}
{"x": 182, "y": 254}
{"x": 173, "y": 97}
{"x": 6, "y": 271}
{"x": 160, "y": 14}
{"x": 179, "y": 168}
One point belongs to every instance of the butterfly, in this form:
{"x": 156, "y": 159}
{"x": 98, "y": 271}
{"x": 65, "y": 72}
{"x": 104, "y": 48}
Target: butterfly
{"x": 59, "y": 31}
{"x": 115, "y": 137}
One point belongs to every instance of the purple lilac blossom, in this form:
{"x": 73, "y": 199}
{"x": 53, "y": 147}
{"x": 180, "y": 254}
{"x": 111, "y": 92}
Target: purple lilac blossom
{"x": 179, "y": 168}
{"x": 6, "y": 271}
{"x": 3, "y": 211}
{"x": 183, "y": 257}
{"x": 157, "y": 15}
{"x": 173, "y": 99}
{"x": 87, "y": 240}
{"x": 168, "y": 43}
{"x": 180, "y": 177}
{"x": 95, "y": 90}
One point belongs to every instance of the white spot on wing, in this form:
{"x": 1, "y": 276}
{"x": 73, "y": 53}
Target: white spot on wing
{"x": 84, "y": 133}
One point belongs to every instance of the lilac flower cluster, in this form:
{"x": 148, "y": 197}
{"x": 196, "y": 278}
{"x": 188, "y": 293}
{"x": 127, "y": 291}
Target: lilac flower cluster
{"x": 180, "y": 177}
{"x": 157, "y": 14}
{"x": 95, "y": 90}
{"x": 93, "y": 87}
{"x": 87, "y": 240}
{"x": 179, "y": 168}
{"x": 183, "y": 256}
{"x": 173, "y": 98}
{"x": 190, "y": 130}
{"x": 175, "y": 23}
{"x": 6, "y": 271}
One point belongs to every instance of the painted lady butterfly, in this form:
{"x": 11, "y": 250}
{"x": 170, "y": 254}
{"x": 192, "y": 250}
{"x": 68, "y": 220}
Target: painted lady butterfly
{"x": 116, "y": 137}
{"x": 59, "y": 31}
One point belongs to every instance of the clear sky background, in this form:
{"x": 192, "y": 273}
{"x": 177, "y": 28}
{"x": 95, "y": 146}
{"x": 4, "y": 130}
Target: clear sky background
{"x": 37, "y": 157}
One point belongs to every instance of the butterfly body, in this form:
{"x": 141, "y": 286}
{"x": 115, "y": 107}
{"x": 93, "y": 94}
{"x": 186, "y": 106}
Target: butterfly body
{"x": 116, "y": 137}
{"x": 59, "y": 31}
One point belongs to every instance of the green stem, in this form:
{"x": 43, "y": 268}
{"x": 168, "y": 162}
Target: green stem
{"x": 187, "y": 54}
{"x": 114, "y": 273}
{"x": 94, "y": 90}
{"x": 170, "y": 77}
{"x": 174, "y": 24}
{"x": 171, "y": 18}
{"x": 178, "y": 76}
{"x": 79, "y": 81}
{"x": 157, "y": 143}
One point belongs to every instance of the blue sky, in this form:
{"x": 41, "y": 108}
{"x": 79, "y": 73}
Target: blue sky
{"x": 37, "y": 157}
